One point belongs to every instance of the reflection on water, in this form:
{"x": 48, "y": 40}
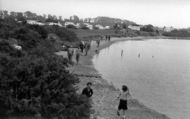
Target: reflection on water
{"x": 156, "y": 71}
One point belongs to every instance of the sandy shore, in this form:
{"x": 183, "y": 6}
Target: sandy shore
{"x": 104, "y": 103}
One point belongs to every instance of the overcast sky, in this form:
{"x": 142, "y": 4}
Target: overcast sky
{"x": 157, "y": 12}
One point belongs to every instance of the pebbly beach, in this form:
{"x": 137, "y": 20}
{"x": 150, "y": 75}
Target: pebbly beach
{"x": 104, "y": 103}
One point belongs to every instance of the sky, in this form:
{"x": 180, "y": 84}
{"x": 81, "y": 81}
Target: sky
{"x": 156, "y": 12}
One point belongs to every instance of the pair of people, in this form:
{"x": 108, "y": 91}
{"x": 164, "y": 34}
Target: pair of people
{"x": 123, "y": 96}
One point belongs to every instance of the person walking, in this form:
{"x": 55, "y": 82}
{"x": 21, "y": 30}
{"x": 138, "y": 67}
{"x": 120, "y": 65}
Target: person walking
{"x": 98, "y": 43}
{"x": 87, "y": 47}
{"x": 77, "y": 55}
{"x": 88, "y": 92}
{"x": 81, "y": 45}
{"x": 123, "y": 96}
{"x": 121, "y": 52}
{"x": 69, "y": 55}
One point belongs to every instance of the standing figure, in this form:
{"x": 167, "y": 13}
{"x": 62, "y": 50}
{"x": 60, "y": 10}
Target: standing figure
{"x": 77, "y": 55}
{"x": 139, "y": 55}
{"x": 121, "y": 52}
{"x": 123, "y": 96}
{"x": 87, "y": 47}
{"x": 98, "y": 42}
{"x": 109, "y": 38}
{"x": 81, "y": 45}
{"x": 69, "y": 55}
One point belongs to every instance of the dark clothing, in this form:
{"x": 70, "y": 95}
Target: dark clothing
{"x": 88, "y": 92}
{"x": 122, "y": 105}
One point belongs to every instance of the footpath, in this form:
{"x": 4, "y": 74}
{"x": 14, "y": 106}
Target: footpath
{"x": 104, "y": 103}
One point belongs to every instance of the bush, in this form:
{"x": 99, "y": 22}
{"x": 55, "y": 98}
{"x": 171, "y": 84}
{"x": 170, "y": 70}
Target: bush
{"x": 63, "y": 33}
{"x": 34, "y": 80}
{"x": 70, "y": 26}
{"x": 177, "y": 33}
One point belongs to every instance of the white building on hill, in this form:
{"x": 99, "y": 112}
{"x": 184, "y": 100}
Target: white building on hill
{"x": 168, "y": 29}
{"x": 33, "y": 22}
{"x": 134, "y": 27}
{"x": 52, "y": 23}
{"x": 69, "y": 23}
{"x": 100, "y": 26}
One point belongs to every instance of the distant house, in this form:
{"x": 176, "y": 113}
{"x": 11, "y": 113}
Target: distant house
{"x": 69, "y": 23}
{"x": 90, "y": 26}
{"x": 92, "y": 20}
{"x": 107, "y": 27}
{"x": 99, "y": 26}
{"x": 52, "y": 23}
{"x": 134, "y": 27}
{"x": 77, "y": 25}
{"x": 33, "y": 22}
{"x": 168, "y": 29}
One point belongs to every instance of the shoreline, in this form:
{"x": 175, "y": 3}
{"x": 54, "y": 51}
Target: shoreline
{"x": 104, "y": 105}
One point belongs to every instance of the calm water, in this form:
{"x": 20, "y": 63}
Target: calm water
{"x": 159, "y": 77}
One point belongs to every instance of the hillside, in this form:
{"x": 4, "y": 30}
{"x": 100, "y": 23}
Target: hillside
{"x": 108, "y": 21}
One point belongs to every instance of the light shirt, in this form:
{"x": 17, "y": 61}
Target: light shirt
{"x": 124, "y": 95}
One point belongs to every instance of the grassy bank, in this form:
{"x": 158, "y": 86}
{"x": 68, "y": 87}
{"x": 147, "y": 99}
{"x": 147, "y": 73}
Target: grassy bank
{"x": 86, "y": 34}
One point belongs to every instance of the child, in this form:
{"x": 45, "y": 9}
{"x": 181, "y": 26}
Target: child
{"x": 88, "y": 90}
{"x": 123, "y": 96}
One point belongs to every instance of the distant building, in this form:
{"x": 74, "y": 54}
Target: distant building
{"x": 35, "y": 22}
{"x": 77, "y": 25}
{"x": 99, "y": 26}
{"x": 90, "y": 26}
{"x": 92, "y": 20}
{"x": 168, "y": 29}
{"x": 107, "y": 27}
{"x": 52, "y": 23}
{"x": 134, "y": 27}
{"x": 69, "y": 23}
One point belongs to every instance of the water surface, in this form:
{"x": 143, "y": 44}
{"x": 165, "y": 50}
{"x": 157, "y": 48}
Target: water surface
{"x": 157, "y": 73}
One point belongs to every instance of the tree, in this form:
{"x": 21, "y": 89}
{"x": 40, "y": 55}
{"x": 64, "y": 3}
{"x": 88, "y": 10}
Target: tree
{"x": 34, "y": 80}
{"x": 124, "y": 26}
{"x": 13, "y": 14}
{"x": 39, "y": 86}
{"x": 147, "y": 28}
{"x": 30, "y": 15}
{"x": 20, "y": 16}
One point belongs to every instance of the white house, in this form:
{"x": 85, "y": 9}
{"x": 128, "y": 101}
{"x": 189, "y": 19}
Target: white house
{"x": 107, "y": 27}
{"x": 77, "y": 25}
{"x": 35, "y": 22}
{"x": 134, "y": 27}
{"x": 90, "y": 26}
{"x": 69, "y": 23}
{"x": 168, "y": 29}
{"x": 100, "y": 26}
{"x": 52, "y": 23}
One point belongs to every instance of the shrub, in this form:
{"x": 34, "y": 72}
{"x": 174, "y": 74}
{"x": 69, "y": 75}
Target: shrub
{"x": 32, "y": 84}
{"x": 34, "y": 80}
{"x": 71, "y": 26}
{"x": 177, "y": 33}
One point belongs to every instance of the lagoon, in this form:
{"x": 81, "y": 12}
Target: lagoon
{"x": 157, "y": 72}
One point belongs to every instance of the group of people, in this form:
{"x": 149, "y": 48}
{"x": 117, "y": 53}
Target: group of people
{"x": 85, "y": 46}
{"x": 70, "y": 54}
{"x": 108, "y": 37}
{"x": 123, "y": 97}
